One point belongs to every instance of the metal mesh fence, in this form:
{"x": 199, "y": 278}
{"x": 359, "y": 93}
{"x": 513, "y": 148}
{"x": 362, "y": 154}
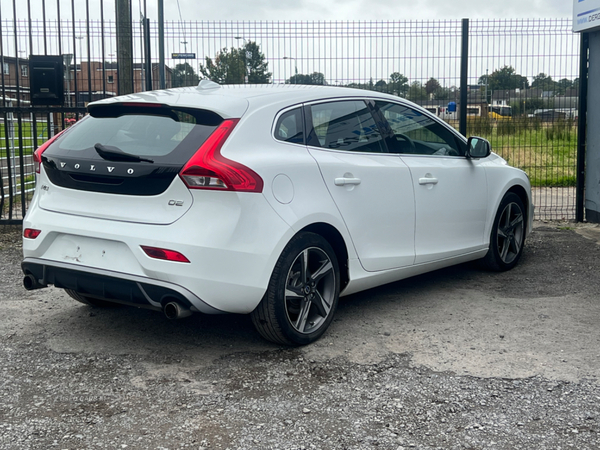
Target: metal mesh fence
{"x": 522, "y": 76}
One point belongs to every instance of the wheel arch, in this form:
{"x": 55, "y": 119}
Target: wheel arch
{"x": 336, "y": 240}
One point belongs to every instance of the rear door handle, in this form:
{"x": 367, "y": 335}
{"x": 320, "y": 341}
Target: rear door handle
{"x": 346, "y": 181}
{"x": 428, "y": 180}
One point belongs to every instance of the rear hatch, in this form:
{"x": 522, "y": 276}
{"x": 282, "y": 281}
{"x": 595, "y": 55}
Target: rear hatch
{"x": 121, "y": 162}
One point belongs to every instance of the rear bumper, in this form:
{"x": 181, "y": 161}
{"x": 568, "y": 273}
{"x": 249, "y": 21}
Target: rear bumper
{"x": 113, "y": 286}
{"x": 232, "y": 241}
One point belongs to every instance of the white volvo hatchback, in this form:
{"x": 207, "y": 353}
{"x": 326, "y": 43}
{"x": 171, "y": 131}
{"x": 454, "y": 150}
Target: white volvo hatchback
{"x": 269, "y": 200}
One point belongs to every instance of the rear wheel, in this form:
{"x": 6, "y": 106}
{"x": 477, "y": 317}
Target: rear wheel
{"x": 302, "y": 295}
{"x": 90, "y": 301}
{"x": 508, "y": 235}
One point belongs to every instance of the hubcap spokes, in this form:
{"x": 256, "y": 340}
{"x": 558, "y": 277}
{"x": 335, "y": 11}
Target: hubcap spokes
{"x": 309, "y": 290}
{"x": 510, "y": 233}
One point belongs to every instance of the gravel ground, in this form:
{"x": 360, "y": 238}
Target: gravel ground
{"x": 456, "y": 359}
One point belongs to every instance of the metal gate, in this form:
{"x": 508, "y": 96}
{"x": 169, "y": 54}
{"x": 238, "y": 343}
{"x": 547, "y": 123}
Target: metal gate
{"x": 531, "y": 124}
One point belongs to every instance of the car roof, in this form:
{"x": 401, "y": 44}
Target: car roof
{"x": 233, "y": 100}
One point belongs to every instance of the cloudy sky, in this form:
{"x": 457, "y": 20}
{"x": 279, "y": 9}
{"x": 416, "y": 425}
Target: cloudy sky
{"x": 366, "y": 9}
{"x": 314, "y": 9}
{"x": 280, "y": 50}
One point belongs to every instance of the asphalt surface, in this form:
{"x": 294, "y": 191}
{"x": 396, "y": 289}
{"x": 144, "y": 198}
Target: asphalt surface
{"x": 456, "y": 359}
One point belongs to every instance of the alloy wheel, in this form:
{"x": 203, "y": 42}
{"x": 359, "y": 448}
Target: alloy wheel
{"x": 510, "y": 232}
{"x": 309, "y": 290}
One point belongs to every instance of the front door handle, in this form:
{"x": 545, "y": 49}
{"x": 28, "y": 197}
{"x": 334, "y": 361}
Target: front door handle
{"x": 428, "y": 180}
{"x": 346, "y": 181}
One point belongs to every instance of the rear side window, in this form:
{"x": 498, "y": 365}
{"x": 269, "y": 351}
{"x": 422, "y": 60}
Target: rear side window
{"x": 167, "y": 135}
{"x": 345, "y": 125}
{"x": 290, "y": 127}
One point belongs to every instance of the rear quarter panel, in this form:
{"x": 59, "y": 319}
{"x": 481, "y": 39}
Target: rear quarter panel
{"x": 293, "y": 184}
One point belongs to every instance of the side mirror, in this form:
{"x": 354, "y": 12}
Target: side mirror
{"x": 478, "y": 147}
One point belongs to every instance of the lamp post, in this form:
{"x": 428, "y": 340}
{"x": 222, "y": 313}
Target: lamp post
{"x": 80, "y": 38}
{"x": 295, "y": 67}
{"x": 248, "y": 57}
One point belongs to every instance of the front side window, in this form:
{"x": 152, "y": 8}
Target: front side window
{"x": 24, "y": 71}
{"x": 6, "y": 69}
{"x": 290, "y": 127}
{"x": 345, "y": 125}
{"x": 416, "y": 133}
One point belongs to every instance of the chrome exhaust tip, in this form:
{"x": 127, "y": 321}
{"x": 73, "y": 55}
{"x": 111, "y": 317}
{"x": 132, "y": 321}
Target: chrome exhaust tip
{"x": 174, "y": 310}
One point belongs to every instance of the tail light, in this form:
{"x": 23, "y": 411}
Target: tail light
{"x": 208, "y": 169}
{"x": 163, "y": 253}
{"x": 37, "y": 155}
{"x": 31, "y": 233}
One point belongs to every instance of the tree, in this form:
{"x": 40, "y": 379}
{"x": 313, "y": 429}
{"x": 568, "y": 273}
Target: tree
{"x": 563, "y": 85}
{"x": 416, "y": 92}
{"x": 442, "y": 93}
{"x": 544, "y": 82}
{"x": 231, "y": 66}
{"x": 398, "y": 84}
{"x": 228, "y": 67}
{"x": 381, "y": 86}
{"x": 184, "y": 75}
{"x": 257, "y": 66}
{"x": 505, "y": 78}
{"x": 432, "y": 87}
{"x": 575, "y": 84}
{"x": 313, "y": 78}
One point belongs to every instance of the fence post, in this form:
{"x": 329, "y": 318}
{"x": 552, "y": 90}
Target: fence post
{"x": 581, "y": 127}
{"x": 161, "y": 44}
{"x": 147, "y": 54}
{"x": 464, "y": 68}
{"x": 124, "y": 47}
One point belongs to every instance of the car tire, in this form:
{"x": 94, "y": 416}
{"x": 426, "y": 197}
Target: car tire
{"x": 303, "y": 293}
{"x": 508, "y": 235}
{"x": 90, "y": 301}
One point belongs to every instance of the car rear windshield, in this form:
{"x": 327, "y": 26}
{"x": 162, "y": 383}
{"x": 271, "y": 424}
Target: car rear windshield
{"x": 168, "y": 135}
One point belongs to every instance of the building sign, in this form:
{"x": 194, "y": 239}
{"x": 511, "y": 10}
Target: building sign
{"x": 183, "y": 55}
{"x": 586, "y": 15}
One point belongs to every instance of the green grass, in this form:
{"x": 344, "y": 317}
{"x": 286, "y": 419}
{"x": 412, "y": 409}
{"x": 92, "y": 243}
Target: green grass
{"x": 29, "y": 182}
{"x": 546, "y": 152}
{"x": 27, "y": 136}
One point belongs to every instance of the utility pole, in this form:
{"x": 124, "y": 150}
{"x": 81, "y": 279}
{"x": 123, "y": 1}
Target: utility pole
{"x": 124, "y": 47}
{"x": 161, "y": 44}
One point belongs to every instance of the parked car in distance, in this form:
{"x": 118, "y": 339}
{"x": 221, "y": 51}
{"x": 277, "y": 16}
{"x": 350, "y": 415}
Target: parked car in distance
{"x": 268, "y": 200}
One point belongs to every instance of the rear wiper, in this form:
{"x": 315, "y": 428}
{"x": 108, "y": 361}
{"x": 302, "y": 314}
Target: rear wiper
{"x": 111, "y": 153}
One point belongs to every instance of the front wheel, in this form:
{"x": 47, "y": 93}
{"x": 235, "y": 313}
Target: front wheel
{"x": 303, "y": 292}
{"x": 508, "y": 235}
